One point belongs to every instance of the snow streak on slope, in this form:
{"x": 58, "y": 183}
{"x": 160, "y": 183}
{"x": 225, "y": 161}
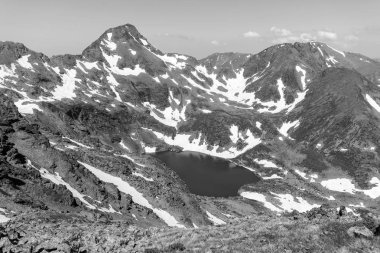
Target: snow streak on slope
{"x": 372, "y": 102}
{"x": 260, "y": 198}
{"x": 56, "y": 179}
{"x": 137, "y": 197}
{"x": 214, "y": 219}
{"x": 77, "y": 143}
{"x": 142, "y": 176}
{"x": 303, "y": 77}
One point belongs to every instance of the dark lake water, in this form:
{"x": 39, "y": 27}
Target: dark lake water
{"x": 207, "y": 175}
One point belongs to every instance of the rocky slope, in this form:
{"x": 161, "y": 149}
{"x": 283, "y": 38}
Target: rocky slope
{"x": 77, "y": 130}
{"x": 322, "y": 229}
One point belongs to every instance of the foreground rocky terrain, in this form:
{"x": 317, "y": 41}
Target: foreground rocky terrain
{"x": 77, "y": 133}
{"x": 322, "y": 229}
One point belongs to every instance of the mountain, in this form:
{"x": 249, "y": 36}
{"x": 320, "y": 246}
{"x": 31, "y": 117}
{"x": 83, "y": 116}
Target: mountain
{"x": 77, "y": 131}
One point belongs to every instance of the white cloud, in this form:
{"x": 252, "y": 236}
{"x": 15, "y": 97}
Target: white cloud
{"x": 303, "y": 37}
{"x": 351, "y": 37}
{"x": 215, "y": 43}
{"x": 327, "y": 35}
{"x": 280, "y": 31}
{"x": 282, "y": 40}
{"x": 307, "y": 37}
{"x": 251, "y": 34}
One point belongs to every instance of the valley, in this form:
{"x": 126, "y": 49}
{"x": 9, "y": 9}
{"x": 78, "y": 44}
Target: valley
{"x": 206, "y": 175}
{"x": 128, "y": 137}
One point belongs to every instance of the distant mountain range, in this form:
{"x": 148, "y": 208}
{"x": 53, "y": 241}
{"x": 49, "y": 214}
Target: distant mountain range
{"x": 77, "y": 130}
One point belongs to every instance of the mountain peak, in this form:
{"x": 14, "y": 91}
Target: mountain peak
{"x": 127, "y": 34}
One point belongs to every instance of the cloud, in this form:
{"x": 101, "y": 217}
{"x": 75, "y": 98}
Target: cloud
{"x": 327, "y": 35}
{"x": 307, "y": 37}
{"x": 251, "y": 34}
{"x": 280, "y": 31}
{"x": 289, "y": 39}
{"x": 215, "y": 43}
{"x": 303, "y": 37}
{"x": 351, "y": 37}
{"x": 281, "y": 35}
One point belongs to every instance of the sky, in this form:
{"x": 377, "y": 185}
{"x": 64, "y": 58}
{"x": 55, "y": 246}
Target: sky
{"x": 194, "y": 27}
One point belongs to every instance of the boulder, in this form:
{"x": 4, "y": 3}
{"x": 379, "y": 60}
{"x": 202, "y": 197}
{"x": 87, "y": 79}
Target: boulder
{"x": 360, "y": 232}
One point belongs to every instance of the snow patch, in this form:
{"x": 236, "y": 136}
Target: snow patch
{"x": 3, "y": 219}
{"x": 110, "y": 44}
{"x": 77, "y": 143}
{"x": 375, "y": 191}
{"x": 26, "y": 107}
{"x": 144, "y": 42}
{"x": 274, "y": 176}
{"x": 372, "y": 102}
{"x": 258, "y": 125}
{"x": 339, "y": 185}
{"x": 289, "y": 203}
{"x": 234, "y": 133}
{"x": 266, "y": 163}
{"x": 66, "y": 90}
{"x": 131, "y": 159}
{"x": 142, "y": 176}
{"x": 303, "y": 77}
{"x": 300, "y": 173}
{"x": 286, "y": 126}
{"x": 260, "y": 198}
{"x": 320, "y": 51}
{"x": 205, "y": 111}
{"x": 214, "y": 219}
{"x": 23, "y": 61}
{"x": 150, "y": 149}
